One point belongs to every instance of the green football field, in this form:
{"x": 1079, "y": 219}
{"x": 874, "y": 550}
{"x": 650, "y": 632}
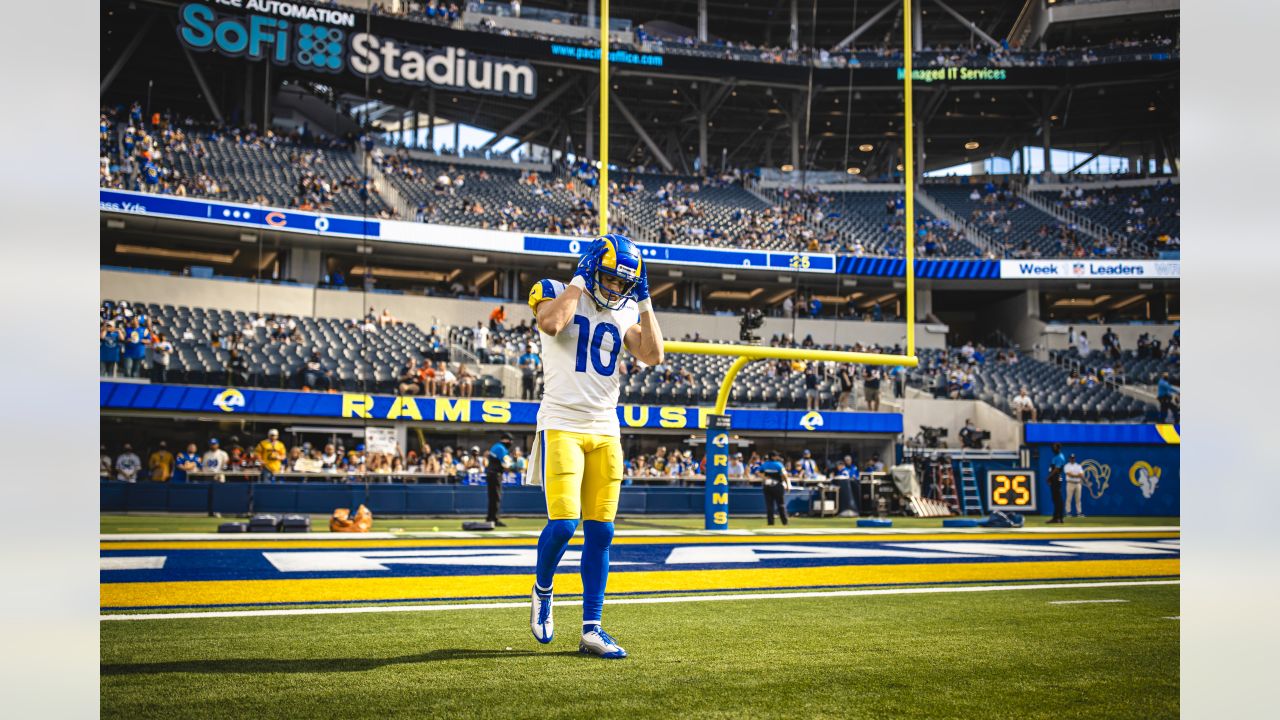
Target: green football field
{"x": 1006, "y": 654}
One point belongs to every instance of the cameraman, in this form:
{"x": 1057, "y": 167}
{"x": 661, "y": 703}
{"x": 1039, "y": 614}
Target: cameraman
{"x": 752, "y": 319}
{"x": 970, "y": 436}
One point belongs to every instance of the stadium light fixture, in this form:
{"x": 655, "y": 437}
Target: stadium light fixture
{"x": 866, "y": 147}
{"x": 788, "y": 167}
{"x": 971, "y": 145}
{"x": 854, "y": 171}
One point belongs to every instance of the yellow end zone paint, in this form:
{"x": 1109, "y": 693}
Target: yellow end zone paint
{"x": 251, "y": 592}
{"x": 638, "y": 540}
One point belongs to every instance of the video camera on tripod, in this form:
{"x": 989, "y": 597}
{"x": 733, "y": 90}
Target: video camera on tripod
{"x": 752, "y": 319}
{"x": 932, "y": 437}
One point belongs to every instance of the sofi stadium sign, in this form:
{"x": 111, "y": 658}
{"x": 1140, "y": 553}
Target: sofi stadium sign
{"x": 325, "y": 40}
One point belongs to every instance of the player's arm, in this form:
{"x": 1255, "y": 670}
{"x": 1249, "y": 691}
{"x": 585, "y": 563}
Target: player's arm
{"x": 644, "y": 339}
{"x": 552, "y": 315}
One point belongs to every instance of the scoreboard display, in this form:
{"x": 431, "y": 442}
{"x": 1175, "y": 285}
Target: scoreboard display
{"x": 1013, "y": 490}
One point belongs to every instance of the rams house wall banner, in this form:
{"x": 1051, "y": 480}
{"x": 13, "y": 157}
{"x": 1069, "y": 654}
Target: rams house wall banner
{"x": 329, "y": 40}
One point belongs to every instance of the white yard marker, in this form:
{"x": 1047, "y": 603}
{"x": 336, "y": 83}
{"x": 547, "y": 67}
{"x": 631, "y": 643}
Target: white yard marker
{"x": 132, "y": 563}
{"x": 1086, "y": 602}
{"x": 631, "y": 600}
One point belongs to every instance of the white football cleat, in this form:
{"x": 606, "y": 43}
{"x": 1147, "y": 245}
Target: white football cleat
{"x": 595, "y": 641}
{"x": 540, "y": 617}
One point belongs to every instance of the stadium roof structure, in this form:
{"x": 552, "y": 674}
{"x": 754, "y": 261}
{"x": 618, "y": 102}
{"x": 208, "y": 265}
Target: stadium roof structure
{"x": 755, "y": 113}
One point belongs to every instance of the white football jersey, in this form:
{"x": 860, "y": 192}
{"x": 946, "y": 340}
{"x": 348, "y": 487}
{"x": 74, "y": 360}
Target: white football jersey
{"x": 581, "y": 373}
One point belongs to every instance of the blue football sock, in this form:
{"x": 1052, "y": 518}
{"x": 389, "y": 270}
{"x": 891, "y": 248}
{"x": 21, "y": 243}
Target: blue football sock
{"x": 595, "y": 569}
{"x": 551, "y": 544}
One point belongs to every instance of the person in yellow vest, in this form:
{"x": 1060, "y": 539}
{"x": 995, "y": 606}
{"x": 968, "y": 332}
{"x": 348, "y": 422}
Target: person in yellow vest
{"x": 271, "y": 454}
{"x": 160, "y": 464}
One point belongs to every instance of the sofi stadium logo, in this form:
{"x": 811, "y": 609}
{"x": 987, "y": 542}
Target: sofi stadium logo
{"x": 322, "y": 40}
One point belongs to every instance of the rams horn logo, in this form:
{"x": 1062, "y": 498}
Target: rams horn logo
{"x": 1145, "y": 476}
{"x": 721, "y": 440}
{"x": 228, "y": 400}
{"x": 1096, "y": 477}
{"x": 811, "y": 420}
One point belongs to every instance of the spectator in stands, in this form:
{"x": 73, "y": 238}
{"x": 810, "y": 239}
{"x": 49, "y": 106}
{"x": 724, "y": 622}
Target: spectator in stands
{"x": 427, "y": 378}
{"x": 188, "y": 461}
{"x": 1074, "y": 473}
{"x": 1082, "y": 344}
{"x": 128, "y": 464}
{"x": 845, "y": 400}
{"x": 136, "y": 337}
{"x": 871, "y": 388}
{"x": 215, "y": 459}
{"x": 329, "y": 458}
{"x": 480, "y": 341}
{"x": 314, "y": 376}
{"x": 498, "y": 319}
{"x": 104, "y": 463}
{"x": 660, "y": 461}
{"x": 811, "y": 393}
{"x": 237, "y": 369}
{"x": 160, "y": 464}
{"x": 410, "y": 382}
{"x": 875, "y": 465}
{"x": 808, "y": 467}
{"x": 1023, "y": 406}
{"x": 446, "y": 381}
{"x": 110, "y": 341}
{"x": 1167, "y": 396}
{"x": 736, "y": 467}
{"x": 271, "y": 454}
{"x": 466, "y": 381}
{"x": 1111, "y": 344}
{"x": 530, "y": 365}
{"x": 161, "y": 354}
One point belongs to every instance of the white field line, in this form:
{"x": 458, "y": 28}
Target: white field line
{"x": 631, "y": 600}
{"x": 1086, "y": 602}
{"x": 458, "y": 535}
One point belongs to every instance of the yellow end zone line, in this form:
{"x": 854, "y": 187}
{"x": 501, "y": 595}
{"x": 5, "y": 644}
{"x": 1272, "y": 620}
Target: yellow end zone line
{"x": 316, "y": 590}
{"x": 663, "y": 540}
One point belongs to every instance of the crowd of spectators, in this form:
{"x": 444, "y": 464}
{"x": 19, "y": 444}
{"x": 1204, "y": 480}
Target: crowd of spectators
{"x": 676, "y": 466}
{"x": 1144, "y": 218}
{"x": 270, "y": 458}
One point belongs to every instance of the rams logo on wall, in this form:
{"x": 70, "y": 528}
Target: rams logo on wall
{"x": 721, "y": 441}
{"x": 811, "y": 420}
{"x": 1145, "y": 476}
{"x": 1096, "y": 477}
{"x": 228, "y": 400}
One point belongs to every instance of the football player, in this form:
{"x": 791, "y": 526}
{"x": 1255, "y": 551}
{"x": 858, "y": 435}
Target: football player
{"x": 577, "y": 453}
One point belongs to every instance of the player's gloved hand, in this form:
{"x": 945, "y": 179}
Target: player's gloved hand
{"x": 585, "y": 276}
{"x": 641, "y": 292}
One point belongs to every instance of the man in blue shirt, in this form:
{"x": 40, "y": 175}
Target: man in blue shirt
{"x": 1056, "y": 465}
{"x": 776, "y": 485}
{"x": 499, "y": 459}
{"x": 844, "y": 475}
{"x": 136, "y": 338}
{"x": 530, "y": 364}
{"x": 1166, "y": 394}
{"x": 186, "y": 462}
{"x": 109, "y": 341}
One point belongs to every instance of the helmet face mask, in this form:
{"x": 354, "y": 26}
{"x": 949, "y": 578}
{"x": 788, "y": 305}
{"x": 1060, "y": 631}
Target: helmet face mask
{"x": 620, "y": 267}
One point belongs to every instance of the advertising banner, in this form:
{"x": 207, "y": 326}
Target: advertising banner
{"x": 1086, "y": 269}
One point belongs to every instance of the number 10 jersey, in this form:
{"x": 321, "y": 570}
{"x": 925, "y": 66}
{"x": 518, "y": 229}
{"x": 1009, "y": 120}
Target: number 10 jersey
{"x": 581, "y": 377}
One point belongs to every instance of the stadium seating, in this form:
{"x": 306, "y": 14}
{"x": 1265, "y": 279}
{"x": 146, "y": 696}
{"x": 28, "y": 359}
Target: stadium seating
{"x": 997, "y": 383}
{"x": 1136, "y": 370}
{"x": 1147, "y": 217}
{"x": 359, "y": 361}
{"x": 1006, "y": 218}
{"x": 248, "y": 171}
{"x": 865, "y": 217}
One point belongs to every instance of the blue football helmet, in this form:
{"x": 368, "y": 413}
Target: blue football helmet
{"x": 621, "y": 260}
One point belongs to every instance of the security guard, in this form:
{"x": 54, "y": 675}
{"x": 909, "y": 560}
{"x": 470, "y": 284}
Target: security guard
{"x": 776, "y": 485}
{"x": 1056, "y": 465}
{"x": 499, "y": 460}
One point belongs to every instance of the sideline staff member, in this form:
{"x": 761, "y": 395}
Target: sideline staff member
{"x": 499, "y": 460}
{"x": 1055, "y": 482}
{"x": 776, "y": 485}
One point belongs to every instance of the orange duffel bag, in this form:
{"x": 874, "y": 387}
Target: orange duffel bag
{"x": 343, "y": 521}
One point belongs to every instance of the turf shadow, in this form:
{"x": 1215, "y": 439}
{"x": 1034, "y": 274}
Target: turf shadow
{"x": 313, "y": 665}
